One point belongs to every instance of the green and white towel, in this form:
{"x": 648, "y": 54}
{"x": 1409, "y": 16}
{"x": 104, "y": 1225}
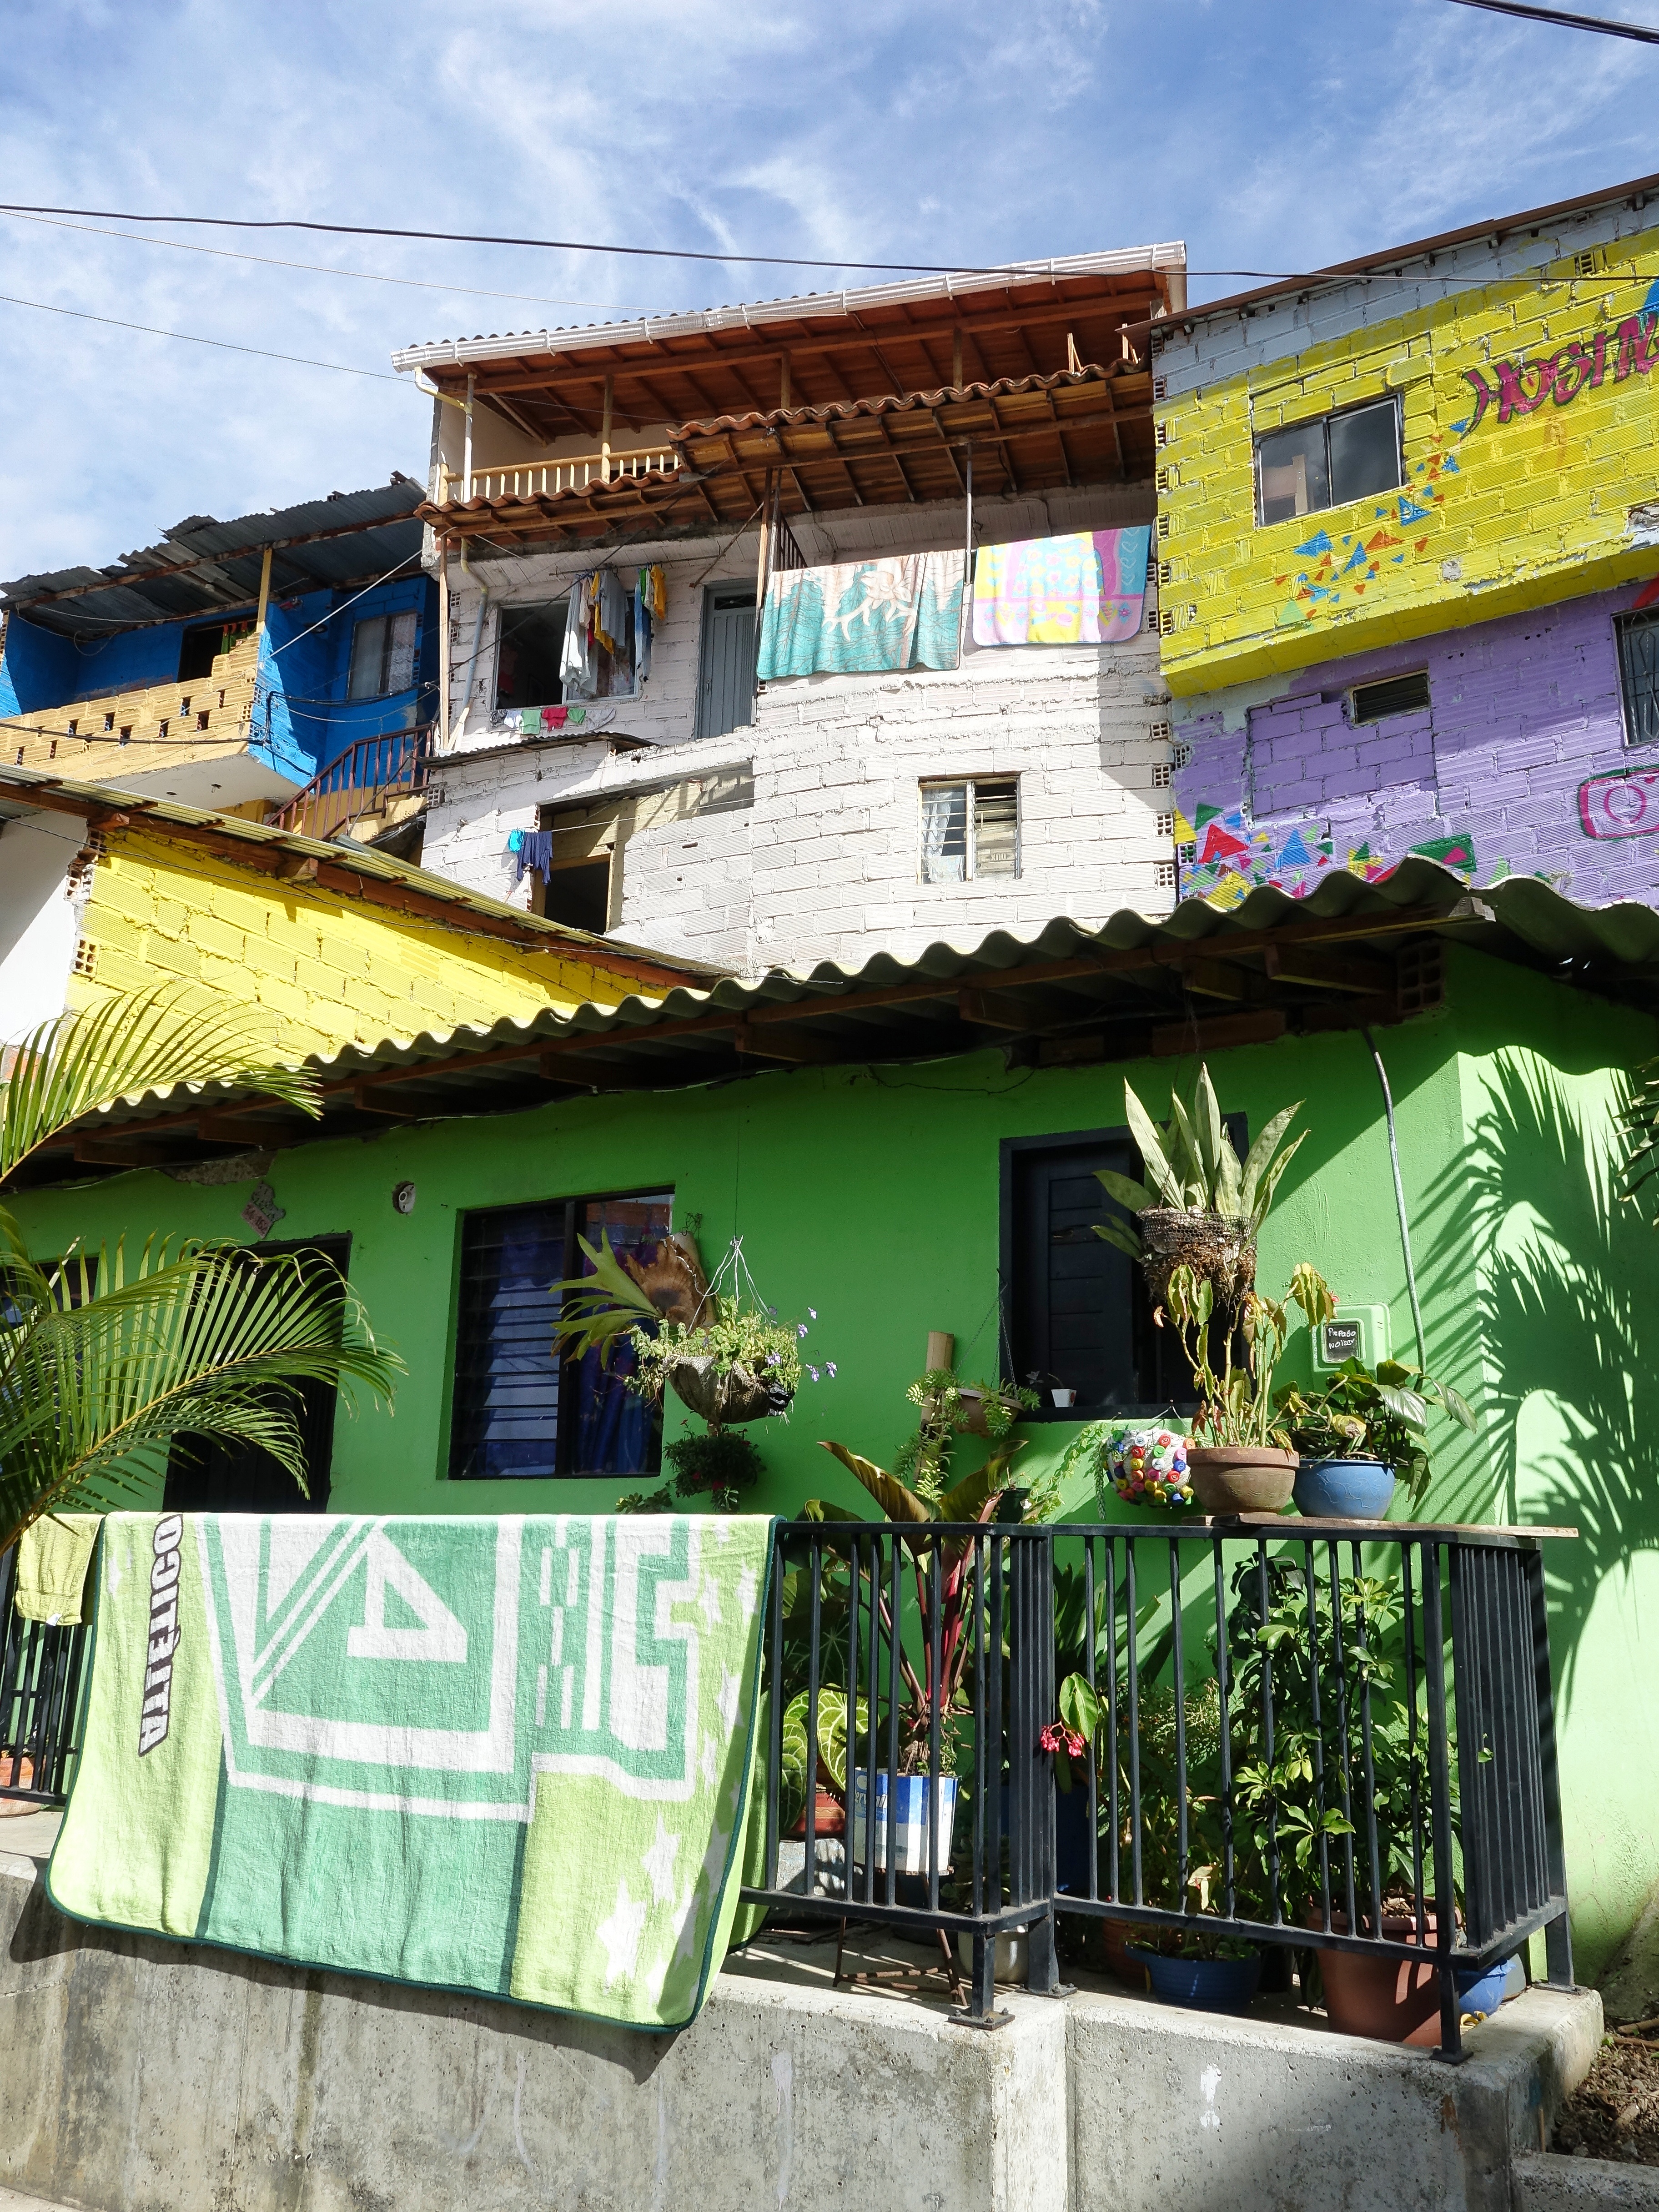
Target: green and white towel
{"x": 506, "y": 1755}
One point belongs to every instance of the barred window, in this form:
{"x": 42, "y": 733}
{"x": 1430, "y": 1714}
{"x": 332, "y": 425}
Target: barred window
{"x": 1638, "y": 676}
{"x": 969, "y": 829}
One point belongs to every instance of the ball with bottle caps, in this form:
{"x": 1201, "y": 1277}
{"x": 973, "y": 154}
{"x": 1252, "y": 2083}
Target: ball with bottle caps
{"x": 1148, "y": 1467}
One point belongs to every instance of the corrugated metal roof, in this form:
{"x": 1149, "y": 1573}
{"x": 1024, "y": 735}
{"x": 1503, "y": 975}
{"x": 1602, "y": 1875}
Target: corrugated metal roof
{"x": 203, "y": 566}
{"x": 655, "y": 330}
{"x": 23, "y": 788}
{"x": 1350, "y": 953}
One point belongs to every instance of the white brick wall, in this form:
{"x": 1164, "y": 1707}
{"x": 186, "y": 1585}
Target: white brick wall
{"x": 826, "y": 864}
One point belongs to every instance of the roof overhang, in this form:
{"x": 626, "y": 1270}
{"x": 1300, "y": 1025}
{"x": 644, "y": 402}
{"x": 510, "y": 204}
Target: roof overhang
{"x": 1349, "y": 956}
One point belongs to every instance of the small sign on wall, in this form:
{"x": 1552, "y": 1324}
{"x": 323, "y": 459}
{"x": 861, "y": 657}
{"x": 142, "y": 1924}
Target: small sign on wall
{"x": 1358, "y": 1333}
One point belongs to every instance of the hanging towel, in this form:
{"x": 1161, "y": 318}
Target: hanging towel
{"x": 575, "y": 658}
{"x": 641, "y": 626}
{"x": 53, "y": 1555}
{"x": 508, "y": 1755}
{"x": 656, "y": 596}
{"x": 611, "y": 613}
{"x": 1086, "y": 588}
{"x": 862, "y": 616}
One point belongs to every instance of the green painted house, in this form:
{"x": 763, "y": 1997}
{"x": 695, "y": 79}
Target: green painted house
{"x": 911, "y": 1148}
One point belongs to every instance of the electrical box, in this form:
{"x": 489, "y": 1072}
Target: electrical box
{"x": 1358, "y": 1333}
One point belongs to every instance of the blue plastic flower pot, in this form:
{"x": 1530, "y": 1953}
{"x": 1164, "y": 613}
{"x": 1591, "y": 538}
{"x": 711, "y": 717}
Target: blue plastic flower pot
{"x": 1200, "y": 1984}
{"x": 1484, "y": 1992}
{"x": 1344, "y": 1489}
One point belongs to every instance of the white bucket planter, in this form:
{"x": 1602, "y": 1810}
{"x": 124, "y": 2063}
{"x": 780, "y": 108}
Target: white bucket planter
{"x": 914, "y": 1794}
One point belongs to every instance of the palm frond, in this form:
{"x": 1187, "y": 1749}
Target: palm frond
{"x": 145, "y": 1040}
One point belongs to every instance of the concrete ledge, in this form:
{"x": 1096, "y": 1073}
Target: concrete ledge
{"x": 1181, "y": 2111}
{"x": 1546, "y": 2182}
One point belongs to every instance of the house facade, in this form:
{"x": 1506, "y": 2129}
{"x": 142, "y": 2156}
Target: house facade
{"x": 1408, "y": 515}
{"x": 253, "y": 667}
{"x": 681, "y": 790}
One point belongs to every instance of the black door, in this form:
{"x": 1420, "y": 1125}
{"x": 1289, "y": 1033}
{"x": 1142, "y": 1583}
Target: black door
{"x": 208, "y": 1474}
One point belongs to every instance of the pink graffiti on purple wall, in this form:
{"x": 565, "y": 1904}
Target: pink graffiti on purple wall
{"x": 1620, "y": 806}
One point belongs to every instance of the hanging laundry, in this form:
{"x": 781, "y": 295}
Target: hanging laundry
{"x": 576, "y": 659}
{"x": 863, "y": 617}
{"x": 1088, "y": 587}
{"x": 531, "y": 848}
{"x": 611, "y": 613}
{"x": 650, "y": 604}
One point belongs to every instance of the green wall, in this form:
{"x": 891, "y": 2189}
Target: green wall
{"x": 872, "y": 1197}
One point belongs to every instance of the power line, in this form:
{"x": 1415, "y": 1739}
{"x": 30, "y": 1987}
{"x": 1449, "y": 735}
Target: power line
{"x": 189, "y": 337}
{"x": 322, "y": 269}
{"x": 1602, "y": 24}
{"x": 470, "y": 238}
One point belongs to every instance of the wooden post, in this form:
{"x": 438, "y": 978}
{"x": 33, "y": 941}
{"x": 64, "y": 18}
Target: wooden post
{"x": 605, "y": 431}
{"x": 956, "y": 359}
{"x": 466, "y": 458}
{"x": 443, "y": 643}
{"x": 941, "y": 1349}
{"x": 783, "y": 381}
{"x": 265, "y": 589}
{"x": 765, "y": 535}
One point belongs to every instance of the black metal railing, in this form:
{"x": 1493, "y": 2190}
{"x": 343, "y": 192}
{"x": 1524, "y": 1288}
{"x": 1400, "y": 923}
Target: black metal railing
{"x": 42, "y": 1680}
{"x": 1280, "y": 1733}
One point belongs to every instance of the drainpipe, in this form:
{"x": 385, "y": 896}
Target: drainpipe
{"x": 1400, "y": 1202}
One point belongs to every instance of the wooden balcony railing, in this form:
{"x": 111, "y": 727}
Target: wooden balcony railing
{"x": 546, "y": 479}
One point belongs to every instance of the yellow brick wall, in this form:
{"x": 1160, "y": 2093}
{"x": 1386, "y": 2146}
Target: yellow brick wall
{"x": 332, "y": 970}
{"x": 166, "y": 725}
{"x": 1495, "y": 515}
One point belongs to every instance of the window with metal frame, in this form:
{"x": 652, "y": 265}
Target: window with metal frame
{"x": 1075, "y": 1312}
{"x": 383, "y": 655}
{"x": 517, "y": 1412}
{"x": 1638, "y": 675}
{"x": 969, "y": 828}
{"x": 1389, "y": 695}
{"x": 1329, "y": 461}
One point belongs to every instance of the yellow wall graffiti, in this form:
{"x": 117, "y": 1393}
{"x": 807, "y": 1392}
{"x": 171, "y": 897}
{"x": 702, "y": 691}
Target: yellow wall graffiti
{"x": 1528, "y": 417}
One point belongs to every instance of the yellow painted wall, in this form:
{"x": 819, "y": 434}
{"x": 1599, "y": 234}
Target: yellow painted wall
{"x": 1509, "y": 504}
{"x": 333, "y": 970}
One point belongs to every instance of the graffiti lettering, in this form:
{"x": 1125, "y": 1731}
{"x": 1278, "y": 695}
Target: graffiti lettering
{"x": 1620, "y": 806}
{"x": 1520, "y": 387}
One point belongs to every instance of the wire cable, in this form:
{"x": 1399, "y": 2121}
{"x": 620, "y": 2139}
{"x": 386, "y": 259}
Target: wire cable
{"x": 322, "y": 269}
{"x": 1602, "y": 24}
{"x": 1400, "y": 1202}
{"x": 470, "y": 238}
{"x": 264, "y": 353}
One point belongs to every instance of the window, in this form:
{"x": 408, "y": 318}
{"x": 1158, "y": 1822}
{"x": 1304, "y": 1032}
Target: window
{"x": 531, "y": 648}
{"x": 1076, "y": 1308}
{"x": 517, "y": 1412}
{"x": 1327, "y": 462}
{"x": 726, "y": 677}
{"x": 969, "y": 829}
{"x": 382, "y": 655}
{"x": 1638, "y": 676}
{"x": 197, "y": 651}
{"x": 1394, "y": 695}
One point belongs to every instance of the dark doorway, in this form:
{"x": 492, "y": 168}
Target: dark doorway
{"x": 196, "y": 652}
{"x": 579, "y": 897}
{"x": 207, "y": 1474}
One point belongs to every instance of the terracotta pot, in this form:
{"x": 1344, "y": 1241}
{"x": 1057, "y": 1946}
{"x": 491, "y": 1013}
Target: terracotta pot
{"x": 1117, "y": 1936}
{"x": 1241, "y": 1477}
{"x": 1390, "y": 2000}
{"x": 828, "y": 1816}
{"x": 974, "y": 1408}
{"x": 17, "y": 1773}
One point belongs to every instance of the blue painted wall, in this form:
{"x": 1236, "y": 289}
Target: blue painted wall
{"x": 302, "y": 720}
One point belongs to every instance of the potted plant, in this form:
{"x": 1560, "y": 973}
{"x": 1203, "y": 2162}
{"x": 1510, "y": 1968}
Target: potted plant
{"x": 1283, "y": 1820}
{"x": 942, "y": 1576}
{"x": 1205, "y": 1972}
{"x": 1240, "y": 1457}
{"x": 1361, "y": 1432}
{"x": 1201, "y": 1208}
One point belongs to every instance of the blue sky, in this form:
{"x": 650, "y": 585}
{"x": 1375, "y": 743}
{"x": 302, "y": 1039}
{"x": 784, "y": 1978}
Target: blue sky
{"x": 1268, "y": 133}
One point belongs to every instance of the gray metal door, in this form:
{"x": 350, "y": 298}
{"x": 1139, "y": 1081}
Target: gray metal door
{"x": 726, "y": 678}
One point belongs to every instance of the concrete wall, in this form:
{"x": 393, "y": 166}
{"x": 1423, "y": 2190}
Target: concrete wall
{"x": 1522, "y": 367}
{"x": 40, "y": 924}
{"x": 1518, "y": 764}
{"x": 828, "y": 864}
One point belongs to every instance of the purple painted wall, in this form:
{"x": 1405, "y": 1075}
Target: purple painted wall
{"x": 1498, "y": 775}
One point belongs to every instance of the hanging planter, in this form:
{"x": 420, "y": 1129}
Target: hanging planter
{"x": 726, "y": 1391}
{"x": 1219, "y": 1247}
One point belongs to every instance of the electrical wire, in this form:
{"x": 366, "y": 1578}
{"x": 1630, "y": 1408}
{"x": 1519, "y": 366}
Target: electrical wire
{"x": 264, "y": 353}
{"x": 1602, "y": 24}
{"x": 470, "y": 238}
{"x": 322, "y": 269}
{"x": 1400, "y": 1202}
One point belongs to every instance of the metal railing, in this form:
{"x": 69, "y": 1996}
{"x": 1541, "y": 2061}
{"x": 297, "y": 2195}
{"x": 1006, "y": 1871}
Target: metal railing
{"x": 42, "y": 1680}
{"x": 546, "y": 479}
{"x": 1290, "y": 1739}
{"x": 358, "y": 781}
